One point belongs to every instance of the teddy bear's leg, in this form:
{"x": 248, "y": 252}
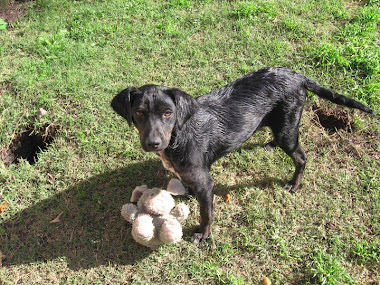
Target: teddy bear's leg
{"x": 170, "y": 231}
{"x": 143, "y": 229}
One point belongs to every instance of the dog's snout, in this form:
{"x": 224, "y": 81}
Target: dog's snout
{"x": 154, "y": 143}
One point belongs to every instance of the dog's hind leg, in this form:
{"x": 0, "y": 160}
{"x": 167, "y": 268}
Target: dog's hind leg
{"x": 299, "y": 158}
{"x": 285, "y": 130}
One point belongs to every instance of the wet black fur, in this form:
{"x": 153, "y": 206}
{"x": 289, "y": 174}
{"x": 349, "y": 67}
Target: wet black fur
{"x": 190, "y": 134}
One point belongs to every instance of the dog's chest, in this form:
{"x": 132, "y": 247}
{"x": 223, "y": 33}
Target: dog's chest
{"x": 168, "y": 165}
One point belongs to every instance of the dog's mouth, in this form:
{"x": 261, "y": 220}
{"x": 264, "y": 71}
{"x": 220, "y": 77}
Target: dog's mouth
{"x": 155, "y": 150}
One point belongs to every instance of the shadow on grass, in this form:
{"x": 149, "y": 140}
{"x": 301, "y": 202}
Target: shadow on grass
{"x": 91, "y": 231}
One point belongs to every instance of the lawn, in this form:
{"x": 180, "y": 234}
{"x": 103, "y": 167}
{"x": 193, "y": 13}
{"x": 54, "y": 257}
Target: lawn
{"x": 80, "y": 161}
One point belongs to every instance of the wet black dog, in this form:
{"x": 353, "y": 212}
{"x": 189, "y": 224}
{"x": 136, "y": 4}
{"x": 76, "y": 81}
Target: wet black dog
{"x": 190, "y": 134}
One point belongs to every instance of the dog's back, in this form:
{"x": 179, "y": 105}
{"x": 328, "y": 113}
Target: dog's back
{"x": 271, "y": 85}
{"x": 272, "y": 96}
{"x": 231, "y": 114}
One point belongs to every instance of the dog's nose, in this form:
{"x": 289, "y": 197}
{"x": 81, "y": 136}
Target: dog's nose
{"x": 154, "y": 143}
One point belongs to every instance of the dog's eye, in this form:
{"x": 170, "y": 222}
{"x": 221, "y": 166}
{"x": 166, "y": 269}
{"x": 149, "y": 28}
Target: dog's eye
{"x": 139, "y": 114}
{"x": 168, "y": 113}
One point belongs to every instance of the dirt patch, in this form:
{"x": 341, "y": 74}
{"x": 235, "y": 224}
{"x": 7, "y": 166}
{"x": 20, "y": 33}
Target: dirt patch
{"x": 332, "y": 130}
{"x": 365, "y": 143}
{"x": 12, "y": 10}
{"x": 332, "y": 119}
{"x": 28, "y": 144}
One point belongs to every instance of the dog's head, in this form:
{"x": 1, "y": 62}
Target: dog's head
{"x": 156, "y": 111}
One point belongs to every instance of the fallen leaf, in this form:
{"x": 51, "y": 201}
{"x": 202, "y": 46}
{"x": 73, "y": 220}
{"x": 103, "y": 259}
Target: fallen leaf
{"x": 227, "y": 198}
{"x": 3, "y": 206}
{"x": 57, "y": 219}
{"x": 1, "y": 258}
{"x": 41, "y": 112}
{"x": 267, "y": 281}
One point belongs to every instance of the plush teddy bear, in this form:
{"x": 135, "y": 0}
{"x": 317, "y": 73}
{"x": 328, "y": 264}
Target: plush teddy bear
{"x": 155, "y": 219}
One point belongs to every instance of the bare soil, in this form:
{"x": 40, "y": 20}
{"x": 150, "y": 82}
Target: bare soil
{"x": 333, "y": 119}
{"x": 27, "y": 144}
{"x": 12, "y": 10}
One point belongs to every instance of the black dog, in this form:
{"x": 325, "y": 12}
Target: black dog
{"x": 190, "y": 134}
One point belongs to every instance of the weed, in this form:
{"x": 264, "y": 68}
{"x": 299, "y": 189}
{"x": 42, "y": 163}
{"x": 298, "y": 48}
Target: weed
{"x": 327, "y": 270}
{"x": 368, "y": 252}
{"x": 250, "y": 9}
{"x": 292, "y": 24}
{"x": 180, "y": 3}
{"x": 370, "y": 180}
{"x": 3, "y": 24}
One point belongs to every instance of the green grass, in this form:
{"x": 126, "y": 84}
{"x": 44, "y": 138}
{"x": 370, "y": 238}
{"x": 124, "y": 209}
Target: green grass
{"x": 72, "y": 57}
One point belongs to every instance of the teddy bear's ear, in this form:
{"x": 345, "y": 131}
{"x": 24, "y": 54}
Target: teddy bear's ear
{"x": 176, "y": 188}
{"x": 137, "y": 193}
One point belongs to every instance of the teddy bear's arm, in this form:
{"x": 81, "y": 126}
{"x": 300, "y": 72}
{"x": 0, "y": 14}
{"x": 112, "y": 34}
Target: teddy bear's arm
{"x": 129, "y": 212}
{"x": 180, "y": 212}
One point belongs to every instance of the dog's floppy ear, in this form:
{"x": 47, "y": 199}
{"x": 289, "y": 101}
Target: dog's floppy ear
{"x": 185, "y": 105}
{"x": 122, "y": 102}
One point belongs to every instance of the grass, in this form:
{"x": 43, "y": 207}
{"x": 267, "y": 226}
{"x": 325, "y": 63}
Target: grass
{"x": 71, "y": 57}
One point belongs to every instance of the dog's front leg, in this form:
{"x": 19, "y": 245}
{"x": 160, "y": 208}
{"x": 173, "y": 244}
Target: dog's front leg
{"x": 202, "y": 184}
{"x": 205, "y": 199}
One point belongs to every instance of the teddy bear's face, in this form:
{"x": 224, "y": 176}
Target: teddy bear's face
{"x": 156, "y": 202}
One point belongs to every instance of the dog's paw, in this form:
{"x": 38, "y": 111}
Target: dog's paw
{"x": 290, "y": 187}
{"x": 199, "y": 238}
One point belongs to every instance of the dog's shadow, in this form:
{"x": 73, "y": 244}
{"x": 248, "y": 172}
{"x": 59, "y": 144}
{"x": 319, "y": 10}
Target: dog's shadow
{"x": 83, "y": 224}
{"x": 89, "y": 230}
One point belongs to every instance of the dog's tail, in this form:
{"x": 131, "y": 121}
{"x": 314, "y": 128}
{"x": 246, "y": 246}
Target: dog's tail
{"x": 334, "y": 97}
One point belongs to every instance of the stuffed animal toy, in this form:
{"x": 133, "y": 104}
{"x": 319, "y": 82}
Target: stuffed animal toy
{"x": 155, "y": 219}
